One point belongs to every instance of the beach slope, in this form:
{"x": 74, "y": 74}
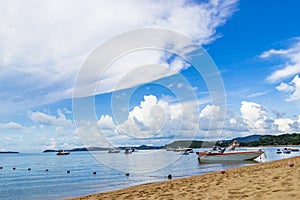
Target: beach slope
{"x": 271, "y": 180}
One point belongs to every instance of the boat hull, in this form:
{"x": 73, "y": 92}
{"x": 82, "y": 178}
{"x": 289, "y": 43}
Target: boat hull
{"x": 64, "y": 153}
{"x": 230, "y": 156}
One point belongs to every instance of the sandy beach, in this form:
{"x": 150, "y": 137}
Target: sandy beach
{"x": 271, "y": 180}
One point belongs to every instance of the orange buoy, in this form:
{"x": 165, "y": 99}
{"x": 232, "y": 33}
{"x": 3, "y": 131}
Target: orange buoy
{"x": 291, "y": 164}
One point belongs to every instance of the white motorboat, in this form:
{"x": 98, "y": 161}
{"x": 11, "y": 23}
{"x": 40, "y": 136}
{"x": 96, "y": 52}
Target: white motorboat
{"x": 62, "y": 152}
{"x": 184, "y": 150}
{"x": 228, "y": 154}
{"x": 114, "y": 151}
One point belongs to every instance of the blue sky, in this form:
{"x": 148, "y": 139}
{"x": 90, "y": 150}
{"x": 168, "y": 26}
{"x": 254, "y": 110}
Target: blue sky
{"x": 254, "y": 44}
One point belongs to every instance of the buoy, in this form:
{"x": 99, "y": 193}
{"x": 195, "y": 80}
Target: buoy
{"x": 223, "y": 171}
{"x": 46, "y": 170}
{"x": 291, "y": 164}
{"x": 94, "y": 172}
{"x": 169, "y": 176}
{"x": 68, "y": 171}
{"x": 14, "y": 168}
{"x": 29, "y": 169}
{"x": 127, "y": 174}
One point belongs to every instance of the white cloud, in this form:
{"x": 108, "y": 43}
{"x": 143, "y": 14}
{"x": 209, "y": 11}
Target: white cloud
{"x": 284, "y": 73}
{"x": 211, "y": 112}
{"x": 296, "y": 93}
{"x": 272, "y": 52}
{"x": 43, "y": 57}
{"x": 11, "y": 125}
{"x": 50, "y": 120}
{"x": 292, "y": 89}
{"x": 232, "y": 121}
{"x": 154, "y": 118}
{"x": 148, "y": 119}
{"x": 106, "y": 123}
{"x": 211, "y": 122}
{"x": 284, "y": 125}
{"x": 283, "y": 87}
{"x": 254, "y": 115}
{"x": 257, "y": 94}
{"x": 291, "y": 57}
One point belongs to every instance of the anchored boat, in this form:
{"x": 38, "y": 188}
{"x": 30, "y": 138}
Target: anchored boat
{"x": 114, "y": 151}
{"x": 228, "y": 154}
{"x": 62, "y": 152}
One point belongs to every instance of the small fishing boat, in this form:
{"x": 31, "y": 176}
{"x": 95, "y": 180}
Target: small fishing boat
{"x": 230, "y": 153}
{"x": 62, "y": 152}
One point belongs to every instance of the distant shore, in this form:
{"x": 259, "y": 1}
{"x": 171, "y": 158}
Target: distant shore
{"x": 271, "y": 180}
{"x": 8, "y": 152}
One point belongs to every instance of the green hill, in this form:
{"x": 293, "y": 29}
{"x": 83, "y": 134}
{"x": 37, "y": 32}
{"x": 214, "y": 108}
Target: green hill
{"x": 248, "y": 141}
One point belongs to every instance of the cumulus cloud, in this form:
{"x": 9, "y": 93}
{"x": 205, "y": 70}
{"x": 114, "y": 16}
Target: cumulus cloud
{"x": 106, "y": 123}
{"x": 283, "y": 125}
{"x": 291, "y": 56}
{"x": 157, "y": 120}
{"x": 148, "y": 119}
{"x": 45, "y": 54}
{"x": 254, "y": 115}
{"x": 212, "y": 122}
{"x": 211, "y": 112}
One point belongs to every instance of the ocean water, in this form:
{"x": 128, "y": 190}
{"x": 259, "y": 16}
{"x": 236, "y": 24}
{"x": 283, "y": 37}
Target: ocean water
{"x": 143, "y": 167}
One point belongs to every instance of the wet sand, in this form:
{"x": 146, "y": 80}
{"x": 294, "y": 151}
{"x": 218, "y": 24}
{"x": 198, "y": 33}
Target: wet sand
{"x": 272, "y": 180}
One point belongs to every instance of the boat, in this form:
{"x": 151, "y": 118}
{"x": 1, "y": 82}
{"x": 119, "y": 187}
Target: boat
{"x": 279, "y": 151}
{"x": 128, "y": 150}
{"x": 230, "y": 153}
{"x": 114, "y": 151}
{"x": 185, "y": 153}
{"x": 294, "y": 149}
{"x": 286, "y": 151}
{"x": 62, "y": 152}
{"x": 183, "y": 150}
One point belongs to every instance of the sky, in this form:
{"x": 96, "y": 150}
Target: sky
{"x": 56, "y": 92}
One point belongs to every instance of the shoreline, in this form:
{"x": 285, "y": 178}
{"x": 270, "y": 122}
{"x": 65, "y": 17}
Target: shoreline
{"x": 269, "y": 180}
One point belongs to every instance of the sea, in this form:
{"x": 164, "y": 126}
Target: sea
{"x": 37, "y": 176}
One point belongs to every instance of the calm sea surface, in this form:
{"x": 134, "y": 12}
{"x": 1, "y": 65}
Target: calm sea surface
{"x": 110, "y": 169}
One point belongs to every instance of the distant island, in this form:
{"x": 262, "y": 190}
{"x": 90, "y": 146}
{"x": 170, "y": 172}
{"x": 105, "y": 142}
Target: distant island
{"x": 8, "y": 152}
{"x": 248, "y": 141}
{"x": 142, "y": 147}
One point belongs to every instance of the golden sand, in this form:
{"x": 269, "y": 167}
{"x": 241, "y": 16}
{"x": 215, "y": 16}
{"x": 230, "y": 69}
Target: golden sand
{"x": 271, "y": 180}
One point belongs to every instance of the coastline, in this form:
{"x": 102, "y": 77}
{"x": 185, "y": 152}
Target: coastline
{"x": 270, "y": 180}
